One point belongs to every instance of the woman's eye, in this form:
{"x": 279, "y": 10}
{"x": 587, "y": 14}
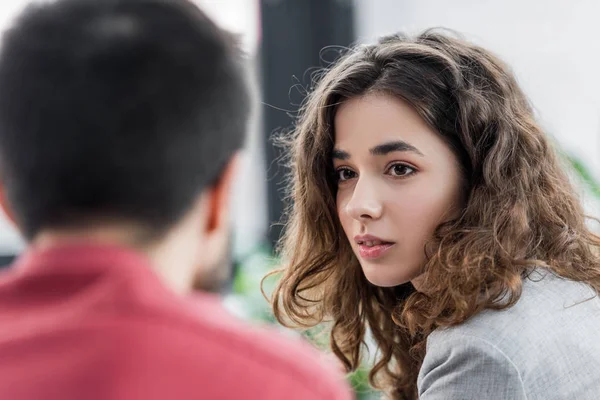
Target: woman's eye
{"x": 344, "y": 174}
{"x": 401, "y": 170}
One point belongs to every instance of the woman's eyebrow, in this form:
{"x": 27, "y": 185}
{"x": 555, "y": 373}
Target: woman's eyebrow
{"x": 381, "y": 150}
{"x": 390, "y": 147}
{"x": 340, "y": 154}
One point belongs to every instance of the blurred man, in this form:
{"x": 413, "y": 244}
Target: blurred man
{"x": 120, "y": 121}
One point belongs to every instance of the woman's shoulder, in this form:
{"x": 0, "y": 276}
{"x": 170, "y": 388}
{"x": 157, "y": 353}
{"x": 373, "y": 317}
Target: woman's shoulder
{"x": 549, "y": 305}
{"x": 522, "y": 349}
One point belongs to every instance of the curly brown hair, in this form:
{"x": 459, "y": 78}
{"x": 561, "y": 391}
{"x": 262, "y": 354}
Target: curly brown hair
{"x": 521, "y": 211}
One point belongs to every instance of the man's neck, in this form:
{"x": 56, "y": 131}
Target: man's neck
{"x": 167, "y": 256}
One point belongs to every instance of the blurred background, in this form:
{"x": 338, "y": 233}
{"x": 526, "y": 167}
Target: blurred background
{"x": 552, "y": 46}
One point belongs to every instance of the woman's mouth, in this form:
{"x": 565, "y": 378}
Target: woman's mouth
{"x": 371, "y": 249}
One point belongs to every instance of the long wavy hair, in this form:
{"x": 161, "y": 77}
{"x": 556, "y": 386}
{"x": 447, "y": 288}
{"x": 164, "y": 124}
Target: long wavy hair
{"x": 521, "y": 211}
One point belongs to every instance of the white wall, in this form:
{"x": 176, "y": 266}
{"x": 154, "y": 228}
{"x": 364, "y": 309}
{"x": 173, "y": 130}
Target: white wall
{"x": 250, "y": 197}
{"x": 552, "y": 45}
{"x": 10, "y": 240}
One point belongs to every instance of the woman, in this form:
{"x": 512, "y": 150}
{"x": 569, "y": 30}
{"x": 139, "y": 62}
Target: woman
{"x": 429, "y": 209}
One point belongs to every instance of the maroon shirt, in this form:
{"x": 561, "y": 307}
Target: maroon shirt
{"x": 94, "y": 322}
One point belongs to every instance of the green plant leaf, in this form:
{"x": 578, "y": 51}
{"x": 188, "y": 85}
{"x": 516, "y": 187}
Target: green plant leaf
{"x": 584, "y": 174}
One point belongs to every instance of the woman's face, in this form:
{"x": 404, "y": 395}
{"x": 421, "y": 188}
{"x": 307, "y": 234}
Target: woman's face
{"x": 397, "y": 181}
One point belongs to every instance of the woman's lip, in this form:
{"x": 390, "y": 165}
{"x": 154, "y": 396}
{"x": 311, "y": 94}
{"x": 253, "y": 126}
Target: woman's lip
{"x": 374, "y": 252}
{"x": 361, "y": 239}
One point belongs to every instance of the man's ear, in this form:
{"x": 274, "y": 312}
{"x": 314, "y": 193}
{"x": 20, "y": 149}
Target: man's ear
{"x": 5, "y": 207}
{"x": 213, "y": 255}
{"x": 220, "y": 200}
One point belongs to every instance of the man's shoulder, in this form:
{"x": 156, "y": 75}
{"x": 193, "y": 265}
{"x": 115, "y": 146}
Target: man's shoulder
{"x": 203, "y": 339}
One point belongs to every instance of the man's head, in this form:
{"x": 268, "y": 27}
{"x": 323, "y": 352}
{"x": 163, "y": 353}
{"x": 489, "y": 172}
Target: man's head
{"x": 119, "y": 113}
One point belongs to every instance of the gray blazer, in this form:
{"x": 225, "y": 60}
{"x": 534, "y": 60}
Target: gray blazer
{"x": 545, "y": 347}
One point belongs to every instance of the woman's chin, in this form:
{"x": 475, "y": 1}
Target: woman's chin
{"x": 384, "y": 280}
{"x": 383, "y": 275}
